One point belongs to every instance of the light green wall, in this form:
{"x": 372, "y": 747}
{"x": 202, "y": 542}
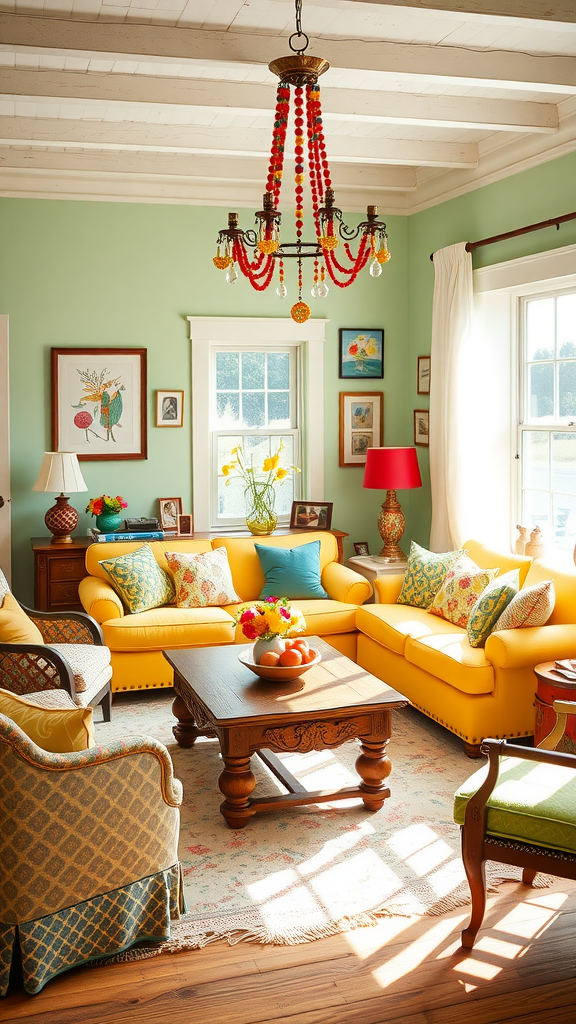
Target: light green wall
{"x": 534, "y": 195}
{"x": 85, "y": 274}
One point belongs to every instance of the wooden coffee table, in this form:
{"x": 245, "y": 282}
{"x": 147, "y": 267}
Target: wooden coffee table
{"x": 334, "y": 701}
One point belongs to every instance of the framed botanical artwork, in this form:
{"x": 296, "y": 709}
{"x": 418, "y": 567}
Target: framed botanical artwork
{"x": 170, "y": 509}
{"x": 361, "y": 352}
{"x": 361, "y": 425}
{"x": 421, "y": 425}
{"x": 423, "y": 375}
{"x": 185, "y": 526}
{"x": 361, "y": 548}
{"x": 169, "y": 408}
{"x": 308, "y": 515}
{"x": 99, "y": 402}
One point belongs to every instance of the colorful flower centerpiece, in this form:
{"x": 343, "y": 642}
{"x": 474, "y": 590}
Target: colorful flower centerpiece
{"x": 259, "y": 493}
{"x": 270, "y": 623}
{"x": 106, "y": 510}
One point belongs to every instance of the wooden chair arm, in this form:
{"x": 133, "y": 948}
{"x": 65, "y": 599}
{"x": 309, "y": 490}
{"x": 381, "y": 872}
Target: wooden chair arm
{"x": 81, "y": 629}
{"x": 563, "y": 709}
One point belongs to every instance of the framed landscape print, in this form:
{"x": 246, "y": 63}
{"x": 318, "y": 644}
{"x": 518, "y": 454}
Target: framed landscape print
{"x": 99, "y": 402}
{"x": 361, "y": 425}
{"x": 361, "y": 352}
{"x": 423, "y": 375}
{"x": 421, "y": 425}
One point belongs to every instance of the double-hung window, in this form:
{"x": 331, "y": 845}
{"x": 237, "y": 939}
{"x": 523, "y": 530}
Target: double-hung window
{"x": 547, "y": 427}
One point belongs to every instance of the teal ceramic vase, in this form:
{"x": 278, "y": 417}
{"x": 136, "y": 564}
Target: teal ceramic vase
{"x": 108, "y": 522}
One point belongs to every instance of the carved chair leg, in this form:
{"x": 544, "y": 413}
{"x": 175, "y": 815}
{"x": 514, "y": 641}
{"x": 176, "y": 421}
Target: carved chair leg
{"x": 473, "y": 749}
{"x": 476, "y": 875}
{"x": 106, "y": 705}
{"x": 528, "y": 875}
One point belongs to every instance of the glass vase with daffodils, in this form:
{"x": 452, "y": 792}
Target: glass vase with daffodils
{"x": 259, "y": 493}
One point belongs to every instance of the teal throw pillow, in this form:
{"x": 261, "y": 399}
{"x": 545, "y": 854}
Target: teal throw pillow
{"x": 495, "y": 597}
{"x": 291, "y": 572}
{"x": 425, "y": 574}
{"x": 138, "y": 580}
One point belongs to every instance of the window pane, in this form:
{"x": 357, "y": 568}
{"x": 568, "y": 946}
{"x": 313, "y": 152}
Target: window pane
{"x": 565, "y": 522}
{"x": 253, "y": 409}
{"x": 537, "y": 512}
{"x": 227, "y": 409}
{"x": 567, "y": 387}
{"x": 564, "y": 463}
{"x": 535, "y": 459}
{"x": 231, "y": 498}
{"x": 279, "y": 408}
{"x": 227, "y": 378}
{"x": 541, "y": 392}
{"x": 253, "y": 364}
{"x": 540, "y": 329}
{"x": 566, "y": 324}
{"x": 279, "y": 370}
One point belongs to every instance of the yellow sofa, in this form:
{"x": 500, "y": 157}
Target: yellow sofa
{"x": 136, "y": 641}
{"x": 473, "y": 692}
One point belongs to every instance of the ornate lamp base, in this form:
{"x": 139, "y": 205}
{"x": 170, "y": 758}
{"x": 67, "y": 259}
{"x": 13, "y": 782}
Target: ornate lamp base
{"x": 391, "y": 523}
{"x": 61, "y": 520}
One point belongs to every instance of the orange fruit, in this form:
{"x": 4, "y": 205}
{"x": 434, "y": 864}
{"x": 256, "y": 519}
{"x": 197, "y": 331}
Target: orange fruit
{"x": 269, "y": 658}
{"x": 309, "y": 656}
{"x": 290, "y": 657}
{"x": 301, "y": 644}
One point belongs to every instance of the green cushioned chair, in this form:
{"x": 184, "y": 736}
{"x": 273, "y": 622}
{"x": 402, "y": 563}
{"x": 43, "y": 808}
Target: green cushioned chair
{"x": 520, "y": 809}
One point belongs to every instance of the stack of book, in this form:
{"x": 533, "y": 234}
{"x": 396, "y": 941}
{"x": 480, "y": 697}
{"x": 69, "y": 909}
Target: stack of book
{"x": 98, "y": 537}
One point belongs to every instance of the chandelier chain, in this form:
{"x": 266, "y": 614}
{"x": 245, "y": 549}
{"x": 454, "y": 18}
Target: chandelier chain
{"x": 298, "y": 17}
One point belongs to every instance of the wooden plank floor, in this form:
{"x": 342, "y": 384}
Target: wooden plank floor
{"x": 409, "y": 971}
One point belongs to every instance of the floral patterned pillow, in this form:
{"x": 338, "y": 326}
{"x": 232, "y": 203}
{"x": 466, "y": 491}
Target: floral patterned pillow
{"x": 425, "y": 573}
{"x": 203, "y": 580}
{"x": 460, "y": 590}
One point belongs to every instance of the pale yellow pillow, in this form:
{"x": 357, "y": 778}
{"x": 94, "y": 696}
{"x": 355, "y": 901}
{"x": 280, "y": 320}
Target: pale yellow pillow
{"x": 15, "y": 626}
{"x": 57, "y": 730}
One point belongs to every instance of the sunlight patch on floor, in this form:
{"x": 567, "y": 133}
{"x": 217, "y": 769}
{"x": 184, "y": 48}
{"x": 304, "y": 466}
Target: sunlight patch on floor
{"x": 406, "y": 842}
{"x": 498, "y": 947}
{"x": 429, "y": 857}
{"x": 272, "y": 885}
{"x": 518, "y": 923}
{"x": 352, "y": 876}
{"x": 335, "y": 847}
{"x": 408, "y": 959}
{"x": 364, "y": 942}
{"x": 478, "y": 969}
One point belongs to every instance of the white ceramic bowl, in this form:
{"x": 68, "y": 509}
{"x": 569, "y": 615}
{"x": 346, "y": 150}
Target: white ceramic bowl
{"x": 275, "y": 673}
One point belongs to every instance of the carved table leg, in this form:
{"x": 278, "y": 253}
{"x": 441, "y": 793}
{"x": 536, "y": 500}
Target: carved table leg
{"x": 185, "y": 730}
{"x": 236, "y": 783}
{"x": 373, "y": 767}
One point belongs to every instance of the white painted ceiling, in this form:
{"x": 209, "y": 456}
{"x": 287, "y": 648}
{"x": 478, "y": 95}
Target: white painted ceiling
{"x": 172, "y": 100}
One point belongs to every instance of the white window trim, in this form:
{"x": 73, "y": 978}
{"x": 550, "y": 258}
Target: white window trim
{"x": 309, "y": 338}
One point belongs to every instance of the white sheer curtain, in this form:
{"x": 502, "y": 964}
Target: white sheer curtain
{"x": 451, "y": 381}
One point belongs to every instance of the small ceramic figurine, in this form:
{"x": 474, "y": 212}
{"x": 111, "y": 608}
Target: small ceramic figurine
{"x": 521, "y": 540}
{"x": 535, "y": 547}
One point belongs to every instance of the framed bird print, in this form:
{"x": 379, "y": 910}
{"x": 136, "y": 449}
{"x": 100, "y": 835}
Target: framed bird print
{"x": 99, "y": 402}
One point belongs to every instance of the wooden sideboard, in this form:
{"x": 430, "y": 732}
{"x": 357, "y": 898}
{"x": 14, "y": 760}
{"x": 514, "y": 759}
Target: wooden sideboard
{"x": 58, "y": 569}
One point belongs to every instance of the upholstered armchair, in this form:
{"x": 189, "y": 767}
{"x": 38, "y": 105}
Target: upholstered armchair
{"x": 88, "y": 849}
{"x": 520, "y": 810}
{"x": 68, "y": 665}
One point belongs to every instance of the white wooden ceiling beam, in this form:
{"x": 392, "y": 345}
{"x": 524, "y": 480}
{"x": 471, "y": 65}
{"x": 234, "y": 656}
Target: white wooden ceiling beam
{"x": 467, "y": 66}
{"x": 244, "y": 97}
{"x": 538, "y": 10}
{"x": 235, "y": 143}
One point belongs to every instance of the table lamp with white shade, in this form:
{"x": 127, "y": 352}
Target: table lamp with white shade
{"x": 392, "y": 469}
{"x": 60, "y": 473}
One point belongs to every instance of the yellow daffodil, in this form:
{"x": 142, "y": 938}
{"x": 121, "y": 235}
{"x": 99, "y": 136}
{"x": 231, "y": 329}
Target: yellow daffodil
{"x": 271, "y": 463}
{"x": 281, "y": 473}
{"x": 226, "y": 470}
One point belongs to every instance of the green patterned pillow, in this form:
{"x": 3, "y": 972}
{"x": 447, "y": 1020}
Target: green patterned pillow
{"x": 425, "y": 574}
{"x": 138, "y": 579}
{"x": 492, "y": 601}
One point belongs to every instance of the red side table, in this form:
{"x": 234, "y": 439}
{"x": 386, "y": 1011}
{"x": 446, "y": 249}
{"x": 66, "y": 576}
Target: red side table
{"x": 552, "y": 686}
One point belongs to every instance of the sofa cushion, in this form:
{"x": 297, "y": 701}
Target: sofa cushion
{"x": 246, "y": 569}
{"x": 462, "y": 586}
{"x": 425, "y": 572}
{"x": 532, "y": 606}
{"x": 392, "y": 624}
{"x": 291, "y": 572}
{"x": 493, "y": 600}
{"x": 58, "y": 730}
{"x": 111, "y": 549}
{"x": 138, "y": 579}
{"x": 15, "y": 626}
{"x": 202, "y": 580}
{"x": 169, "y": 627}
{"x": 531, "y": 803}
{"x": 449, "y": 657}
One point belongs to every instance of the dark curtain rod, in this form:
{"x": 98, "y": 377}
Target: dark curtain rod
{"x": 554, "y": 222}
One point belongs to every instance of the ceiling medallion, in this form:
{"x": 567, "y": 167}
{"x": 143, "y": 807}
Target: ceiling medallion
{"x": 268, "y": 252}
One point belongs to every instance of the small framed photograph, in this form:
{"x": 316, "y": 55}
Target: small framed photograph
{"x": 361, "y": 425}
{"x": 361, "y": 548}
{"x": 311, "y": 515}
{"x": 423, "y": 375}
{"x": 361, "y": 352}
{"x": 421, "y": 424}
{"x": 185, "y": 526}
{"x": 169, "y": 408}
{"x": 170, "y": 509}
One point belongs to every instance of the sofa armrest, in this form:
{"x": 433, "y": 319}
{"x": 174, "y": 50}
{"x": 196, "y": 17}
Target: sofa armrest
{"x": 99, "y": 599}
{"x": 523, "y": 648}
{"x": 343, "y": 584}
{"x": 388, "y": 588}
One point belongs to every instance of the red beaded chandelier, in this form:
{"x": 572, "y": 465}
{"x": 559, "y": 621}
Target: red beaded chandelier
{"x": 268, "y": 251}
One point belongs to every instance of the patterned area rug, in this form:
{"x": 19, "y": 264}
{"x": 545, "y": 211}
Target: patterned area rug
{"x": 302, "y": 873}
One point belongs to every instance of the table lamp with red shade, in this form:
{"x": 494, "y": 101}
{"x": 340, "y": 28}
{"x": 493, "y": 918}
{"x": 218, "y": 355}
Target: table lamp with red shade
{"x": 392, "y": 469}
